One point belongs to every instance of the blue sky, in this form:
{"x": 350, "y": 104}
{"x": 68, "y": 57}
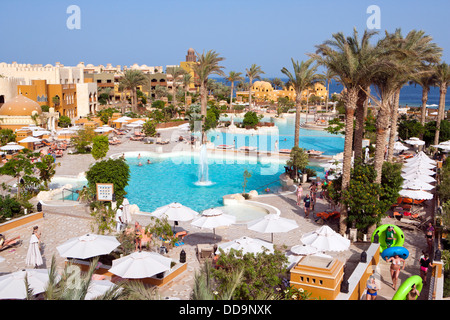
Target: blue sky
{"x": 159, "y": 32}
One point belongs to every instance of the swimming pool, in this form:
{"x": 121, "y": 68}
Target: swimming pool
{"x": 330, "y": 144}
{"x": 168, "y": 180}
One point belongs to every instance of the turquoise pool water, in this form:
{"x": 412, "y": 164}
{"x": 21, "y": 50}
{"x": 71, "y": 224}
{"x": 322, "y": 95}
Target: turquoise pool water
{"x": 173, "y": 180}
{"x": 330, "y": 144}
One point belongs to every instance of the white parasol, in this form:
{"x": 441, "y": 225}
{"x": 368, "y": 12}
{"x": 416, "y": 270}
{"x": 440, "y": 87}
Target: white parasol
{"x": 419, "y": 170}
{"x": 416, "y": 194}
{"x": 247, "y": 245}
{"x": 98, "y": 288}
{"x": 12, "y": 285}
{"x": 175, "y": 212}
{"x": 414, "y": 176}
{"x": 326, "y": 239}
{"x": 415, "y": 141}
{"x": 30, "y": 140}
{"x": 400, "y": 146}
{"x": 272, "y": 223}
{"x": 11, "y": 146}
{"x": 417, "y": 184}
{"x": 87, "y": 246}
{"x": 213, "y": 218}
{"x": 140, "y": 264}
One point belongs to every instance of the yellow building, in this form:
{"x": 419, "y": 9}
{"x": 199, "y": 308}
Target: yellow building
{"x": 44, "y": 94}
{"x": 187, "y": 65}
{"x": 262, "y": 91}
{"x": 320, "y": 276}
{"x": 17, "y": 113}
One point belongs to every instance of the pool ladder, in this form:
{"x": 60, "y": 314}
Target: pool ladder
{"x": 70, "y": 190}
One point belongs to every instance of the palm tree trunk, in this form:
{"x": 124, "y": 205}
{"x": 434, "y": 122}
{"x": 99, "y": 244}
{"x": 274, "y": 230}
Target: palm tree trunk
{"x": 231, "y": 95}
{"x": 134, "y": 100}
{"x": 250, "y": 94}
{"x": 382, "y": 125}
{"x": 298, "y": 107}
{"x": 423, "y": 110}
{"x": 393, "y": 132}
{"x": 350, "y": 106}
{"x": 442, "y": 93}
{"x": 359, "y": 127}
{"x": 328, "y": 93}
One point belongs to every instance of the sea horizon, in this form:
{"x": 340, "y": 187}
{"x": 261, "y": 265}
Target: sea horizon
{"x": 410, "y": 95}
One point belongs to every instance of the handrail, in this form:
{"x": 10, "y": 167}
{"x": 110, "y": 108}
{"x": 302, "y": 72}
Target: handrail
{"x": 62, "y": 193}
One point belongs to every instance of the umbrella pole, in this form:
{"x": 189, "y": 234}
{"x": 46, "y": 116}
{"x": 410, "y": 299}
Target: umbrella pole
{"x": 272, "y": 237}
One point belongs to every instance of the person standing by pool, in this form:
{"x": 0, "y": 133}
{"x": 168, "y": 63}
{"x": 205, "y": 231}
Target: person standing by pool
{"x": 137, "y": 236}
{"x": 307, "y": 204}
{"x": 395, "y": 261}
{"x": 390, "y": 236}
{"x": 34, "y": 257}
{"x": 299, "y": 194}
{"x": 119, "y": 219}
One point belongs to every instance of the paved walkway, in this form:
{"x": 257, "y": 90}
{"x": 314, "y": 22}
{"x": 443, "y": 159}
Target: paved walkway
{"x": 62, "y": 222}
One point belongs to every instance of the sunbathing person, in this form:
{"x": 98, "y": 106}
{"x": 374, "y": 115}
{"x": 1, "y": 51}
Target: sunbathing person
{"x": 6, "y": 243}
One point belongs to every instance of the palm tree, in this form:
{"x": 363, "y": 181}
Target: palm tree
{"x": 186, "y": 81}
{"x": 277, "y": 83}
{"x": 419, "y": 52}
{"x": 253, "y": 73}
{"x": 130, "y": 80}
{"x": 426, "y": 82}
{"x": 175, "y": 72}
{"x": 207, "y": 64}
{"x": 328, "y": 76}
{"x": 443, "y": 82}
{"x": 303, "y": 78}
{"x": 353, "y": 61}
{"x": 232, "y": 77}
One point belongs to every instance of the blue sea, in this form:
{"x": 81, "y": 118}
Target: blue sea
{"x": 410, "y": 95}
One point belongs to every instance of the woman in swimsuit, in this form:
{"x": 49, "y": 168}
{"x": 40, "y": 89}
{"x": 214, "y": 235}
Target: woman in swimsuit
{"x": 372, "y": 288}
{"x": 396, "y": 261}
{"x": 430, "y": 237}
{"x": 137, "y": 236}
{"x": 425, "y": 263}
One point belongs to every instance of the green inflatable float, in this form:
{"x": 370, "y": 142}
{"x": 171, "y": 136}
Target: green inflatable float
{"x": 405, "y": 287}
{"x": 399, "y": 237}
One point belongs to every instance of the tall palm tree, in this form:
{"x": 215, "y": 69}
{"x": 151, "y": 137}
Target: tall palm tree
{"x": 176, "y": 73}
{"x": 328, "y": 76}
{"x": 420, "y": 53}
{"x": 207, "y": 64}
{"x": 303, "y": 78}
{"x": 354, "y": 61}
{"x": 130, "y": 80}
{"x": 186, "y": 81}
{"x": 232, "y": 77}
{"x": 443, "y": 82}
{"x": 426, "y": 82}
{"x": 254, "y": 72}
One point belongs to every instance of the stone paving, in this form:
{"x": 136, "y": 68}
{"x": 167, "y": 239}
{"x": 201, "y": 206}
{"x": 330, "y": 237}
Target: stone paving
{"x": 63, "y": 221}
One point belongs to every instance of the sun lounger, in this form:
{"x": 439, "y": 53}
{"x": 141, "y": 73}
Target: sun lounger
{"x": 132, "y": 138}
{"x": 204, "y": 251}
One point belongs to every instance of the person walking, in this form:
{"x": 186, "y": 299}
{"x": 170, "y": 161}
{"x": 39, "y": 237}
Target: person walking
{"x": 413, "y": 294}
{"x": 390, "y": 232}
{"x": 425, "y": 263}
{"x": 138, "y": 236}
{"x": 397, "y": 264}
{"x": 307, "y": 205}
{"x": 34, "y": 257}
{"x": 371, "y": 289}
{"x": 429, "y": 235}
{"x": 119, "y": 218}
{"x": 299, "y": 194}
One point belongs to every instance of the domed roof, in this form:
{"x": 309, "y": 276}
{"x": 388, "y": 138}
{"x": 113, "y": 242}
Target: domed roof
{"x": 262, "y": 85}
{"x": 20, "y": 106}
{"x": 191, "y": 50}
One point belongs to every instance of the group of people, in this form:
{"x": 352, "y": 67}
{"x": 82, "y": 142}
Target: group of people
{"x": 398, "y": 264}
{"x": 310, "y": 198}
